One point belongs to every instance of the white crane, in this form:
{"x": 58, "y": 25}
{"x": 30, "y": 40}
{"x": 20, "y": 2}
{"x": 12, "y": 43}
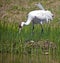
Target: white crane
{"x": 37, "y": 16}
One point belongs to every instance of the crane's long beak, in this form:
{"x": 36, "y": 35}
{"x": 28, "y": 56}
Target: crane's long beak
{"x": 20, "y": 30}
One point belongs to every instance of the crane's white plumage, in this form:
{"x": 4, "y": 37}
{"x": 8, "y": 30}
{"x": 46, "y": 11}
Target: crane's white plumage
{"x": 38, "y": 16}
{"x": 40, "y": 6}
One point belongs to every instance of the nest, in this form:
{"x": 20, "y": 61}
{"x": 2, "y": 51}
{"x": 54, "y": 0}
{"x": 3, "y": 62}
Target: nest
{"x": 47, "y": 46}
{"x": 44, "y": 45}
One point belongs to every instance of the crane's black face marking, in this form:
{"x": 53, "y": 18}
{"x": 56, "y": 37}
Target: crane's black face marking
{"x": 20, "y": 26}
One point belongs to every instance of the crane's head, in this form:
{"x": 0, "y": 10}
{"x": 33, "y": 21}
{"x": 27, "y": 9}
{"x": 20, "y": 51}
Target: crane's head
{"x": 21, "y": 26}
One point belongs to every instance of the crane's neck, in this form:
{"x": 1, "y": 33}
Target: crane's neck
{"x": 25, "y": 23}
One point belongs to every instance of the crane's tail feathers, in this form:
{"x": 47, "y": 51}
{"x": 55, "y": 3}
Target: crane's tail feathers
{"x": 40, "y": 6}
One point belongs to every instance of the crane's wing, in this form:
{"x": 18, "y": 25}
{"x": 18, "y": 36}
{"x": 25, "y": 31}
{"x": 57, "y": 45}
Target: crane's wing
{"x": 40, "y": 6}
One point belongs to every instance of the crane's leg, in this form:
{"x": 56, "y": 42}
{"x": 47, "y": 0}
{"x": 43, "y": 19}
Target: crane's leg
{"x": 32, "y": 29}
{"x": 41, "y": 27}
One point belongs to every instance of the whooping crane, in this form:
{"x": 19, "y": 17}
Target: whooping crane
{"x": 37, "y": 16}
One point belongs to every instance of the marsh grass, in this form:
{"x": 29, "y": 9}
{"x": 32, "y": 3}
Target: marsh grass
{"x": 12, "y": 42}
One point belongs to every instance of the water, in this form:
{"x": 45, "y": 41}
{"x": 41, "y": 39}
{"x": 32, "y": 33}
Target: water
{"x": 34, "y": 57}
